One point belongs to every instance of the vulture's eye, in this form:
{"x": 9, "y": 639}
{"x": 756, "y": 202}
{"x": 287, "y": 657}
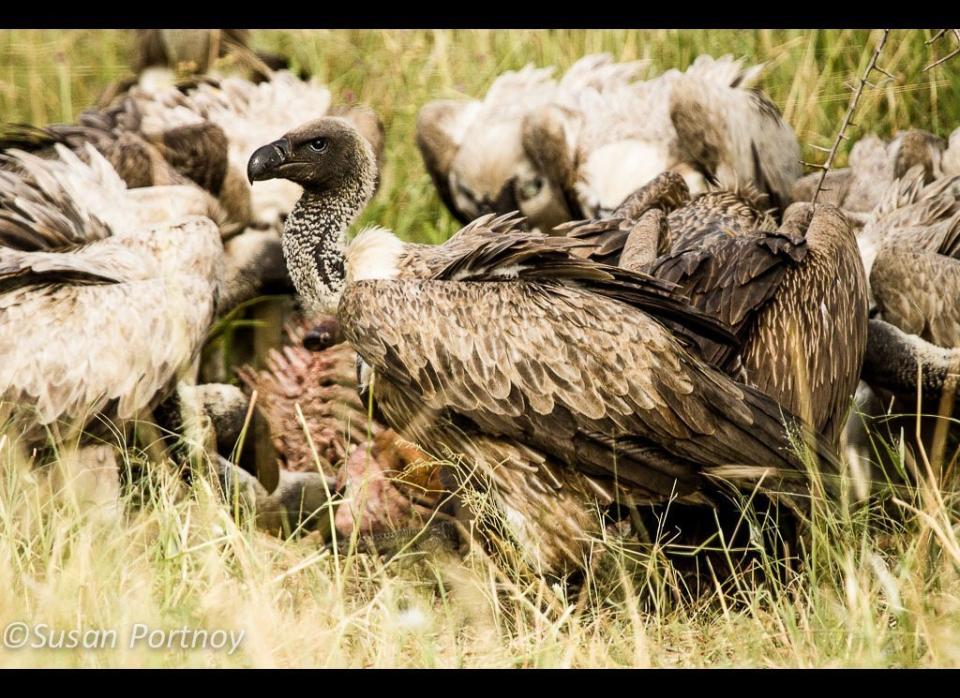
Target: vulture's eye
{"x": 531, "y": 188}
{"x": 318, "y": 145}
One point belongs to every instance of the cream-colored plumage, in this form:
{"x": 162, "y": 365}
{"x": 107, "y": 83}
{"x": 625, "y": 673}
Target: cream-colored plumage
{"x": 558, "y": 150}
{"x": 249, "y": 114}
{"x": 104, "y": 300}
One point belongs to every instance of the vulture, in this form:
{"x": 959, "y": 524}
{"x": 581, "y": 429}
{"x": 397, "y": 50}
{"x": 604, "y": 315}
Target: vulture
{"x": 554, "y": 384}
{"x": 201, "y": 131}
{"x": 875, "y": 165}
{"x": 106, "y": 293}
{"x": 163, "y": 149}
{"x": 911, "y": 246}
{"x": 903, "y": 197}
{"x": 186, "y": 156}
{"x": 575, "y": 148}
{"x": 802, "y": 334}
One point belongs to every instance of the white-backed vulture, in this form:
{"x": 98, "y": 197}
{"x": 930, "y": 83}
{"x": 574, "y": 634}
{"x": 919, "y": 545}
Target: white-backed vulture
{"x": 575, "y": 148}
{"x": 105, "y": 293}
{"x": 874, "y": 165}
{"x": 561, "y": 383}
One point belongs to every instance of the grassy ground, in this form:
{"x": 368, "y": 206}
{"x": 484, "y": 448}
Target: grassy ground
{"x": 876, "y": 590}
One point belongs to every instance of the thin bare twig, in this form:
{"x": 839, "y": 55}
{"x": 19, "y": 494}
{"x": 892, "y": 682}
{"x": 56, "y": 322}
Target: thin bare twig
{"x": 955, "y": 52}
{"x": 854, "y": 100}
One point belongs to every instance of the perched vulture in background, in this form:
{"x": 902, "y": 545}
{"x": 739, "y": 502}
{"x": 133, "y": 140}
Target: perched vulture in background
{"x": 874, "y": 165}
{"x": 575, "y": 148}
{"x": 197, "y": 51}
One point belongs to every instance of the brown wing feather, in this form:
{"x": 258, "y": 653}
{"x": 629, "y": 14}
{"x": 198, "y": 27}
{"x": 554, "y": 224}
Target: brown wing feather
{"x": 725, "y": 212}
{"x": 37, "y": 214}
{"x": 917, "y": 292}
{"x": 732, "y": 279}
{"x": 198, "y": 152}
{"x": 534, "y": 257}
{"x": 590, "y": 381}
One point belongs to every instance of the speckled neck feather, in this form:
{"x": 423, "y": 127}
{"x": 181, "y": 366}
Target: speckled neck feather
{"x": 314, "y": 239}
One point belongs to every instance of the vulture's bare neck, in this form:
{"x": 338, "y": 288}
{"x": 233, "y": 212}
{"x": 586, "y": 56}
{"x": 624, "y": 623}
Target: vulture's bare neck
{"x": 315, "y": 240}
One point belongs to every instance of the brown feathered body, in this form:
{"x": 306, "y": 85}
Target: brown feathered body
{"x": 802, "y": 334}
{"x": 559, "y": 400}
{"x": 807, "y": 347}
{"x": 912, "y": 244}
{"x": 555, "y": 384}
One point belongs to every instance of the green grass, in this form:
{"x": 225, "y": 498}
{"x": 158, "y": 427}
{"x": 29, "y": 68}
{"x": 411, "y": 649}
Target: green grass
{"x": 877, "y": 589}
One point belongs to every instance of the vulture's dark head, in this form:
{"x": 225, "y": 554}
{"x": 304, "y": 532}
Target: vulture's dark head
{"x": 323, "y": 155}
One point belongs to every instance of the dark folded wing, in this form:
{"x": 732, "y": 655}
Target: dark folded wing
{"x": 731, "y": 279}
{"x": 538, "y": 258}
{"x": 591, "y": 381}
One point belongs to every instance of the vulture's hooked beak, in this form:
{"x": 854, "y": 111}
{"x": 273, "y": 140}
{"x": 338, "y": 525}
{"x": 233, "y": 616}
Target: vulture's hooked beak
{"x": 266, "y": 160}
